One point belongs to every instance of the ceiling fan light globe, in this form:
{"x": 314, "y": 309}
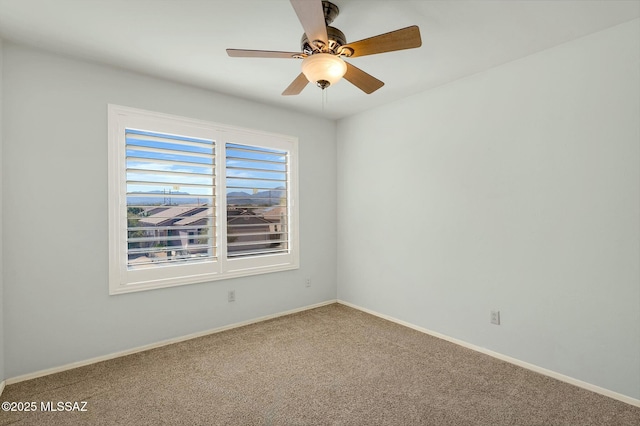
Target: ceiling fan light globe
{"x": 323, "y": 67}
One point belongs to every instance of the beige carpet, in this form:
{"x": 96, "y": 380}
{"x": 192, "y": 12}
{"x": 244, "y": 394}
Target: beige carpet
{"x": 328, "y": 366}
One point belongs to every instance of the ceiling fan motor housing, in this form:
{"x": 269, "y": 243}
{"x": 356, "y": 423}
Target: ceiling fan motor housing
{"x": 336, "y": 40}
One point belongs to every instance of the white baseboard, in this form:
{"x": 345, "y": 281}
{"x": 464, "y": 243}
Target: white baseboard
{"x": 585, "y": 385}
{"x": 2, "y": 385}
{"x": 73, "y": 365}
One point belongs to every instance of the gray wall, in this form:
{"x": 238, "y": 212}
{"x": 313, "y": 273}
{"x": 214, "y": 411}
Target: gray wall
{"x": 514, "y": 189}
{"x": 55, "y": 211}
{"x": 2, "y": 376}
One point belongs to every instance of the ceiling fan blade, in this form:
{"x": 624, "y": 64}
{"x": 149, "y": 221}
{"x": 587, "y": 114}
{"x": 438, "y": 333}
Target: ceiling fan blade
{"x": 242, "y": 53}
{"x": 311, "y": 16}
{"x": 405, "y": 38}
{"x": 363, "y": 81}
{"x": 296, "y": 86}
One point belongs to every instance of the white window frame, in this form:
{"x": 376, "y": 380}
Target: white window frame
{"x": 125, "y": 280}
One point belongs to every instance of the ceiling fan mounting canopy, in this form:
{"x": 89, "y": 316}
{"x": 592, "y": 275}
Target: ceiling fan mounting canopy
{"x": 323, "y": 46}
{"x": 330, "y": 12}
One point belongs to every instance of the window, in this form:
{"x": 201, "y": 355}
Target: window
{"x": 180, "y": 215}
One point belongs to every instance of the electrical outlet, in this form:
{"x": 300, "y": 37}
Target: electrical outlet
{"x": 307, "y": 283}
{"x": 495, "y": 317}
{"x": 231, "y": 296}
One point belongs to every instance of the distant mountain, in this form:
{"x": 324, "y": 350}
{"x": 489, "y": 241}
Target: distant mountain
{"x": 270, "y": 198}
{"x": 162, "y": 198}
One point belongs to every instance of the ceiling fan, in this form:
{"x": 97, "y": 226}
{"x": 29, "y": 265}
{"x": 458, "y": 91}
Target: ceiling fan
{"x": 323, "y": 48}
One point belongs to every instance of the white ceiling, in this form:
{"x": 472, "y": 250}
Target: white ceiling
{"x": 185, "y": 40}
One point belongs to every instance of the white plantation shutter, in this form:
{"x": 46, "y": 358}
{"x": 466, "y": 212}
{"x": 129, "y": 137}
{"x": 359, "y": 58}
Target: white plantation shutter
{"x": 257, "y": 208}
{"x": 178, "y": 215}
{"x": 170, "y": 199}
